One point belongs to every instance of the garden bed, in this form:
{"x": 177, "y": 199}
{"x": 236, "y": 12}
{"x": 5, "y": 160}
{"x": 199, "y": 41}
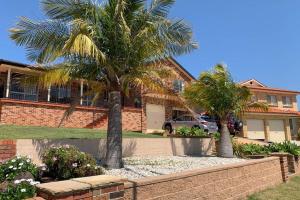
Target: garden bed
{"x": 145, "y": 166}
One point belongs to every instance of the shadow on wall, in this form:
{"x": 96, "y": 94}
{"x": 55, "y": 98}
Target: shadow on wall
{"x": 191, "y": 146}
{"x": 131, "y": 147}
{"x": 95, "y": 147}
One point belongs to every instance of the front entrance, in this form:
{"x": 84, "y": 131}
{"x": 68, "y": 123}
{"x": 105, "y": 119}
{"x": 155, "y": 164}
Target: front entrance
{"x": 155, "y": 117}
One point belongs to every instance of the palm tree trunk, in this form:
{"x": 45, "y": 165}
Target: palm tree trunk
{"x": 114, "y": 132}
{"x": 225, "y": 146}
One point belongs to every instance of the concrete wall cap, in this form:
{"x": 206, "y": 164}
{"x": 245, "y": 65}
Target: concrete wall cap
{"x": 62, "y": 187}
{"x": 101, "y": 180}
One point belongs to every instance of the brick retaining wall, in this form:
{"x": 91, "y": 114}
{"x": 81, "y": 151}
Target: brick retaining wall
{"x": 27, "y": 113}
{"x": 224, "y": 182}
{"x": 235, "y": 181}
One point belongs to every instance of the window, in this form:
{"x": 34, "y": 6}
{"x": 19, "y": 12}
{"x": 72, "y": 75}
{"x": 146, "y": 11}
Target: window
{"x": 60, "y": 94}
{"x": 87, "y": 98}
{"x": 291, "y": 124}
{"x": 286, "y": 101}
{"x": 272, "y": 100}
{"x": 22, "y": 91}
{"x": 178, "y": 85}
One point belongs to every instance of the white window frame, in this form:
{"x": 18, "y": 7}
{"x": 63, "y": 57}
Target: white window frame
{"x": 273, "y": 100}
{"x": 178, "y": 85}
{"x": 287, "y": 101}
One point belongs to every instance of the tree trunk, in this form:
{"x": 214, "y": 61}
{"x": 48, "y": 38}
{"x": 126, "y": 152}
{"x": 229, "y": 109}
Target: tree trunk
{"x": 225, "y": 145}
{"x": 114, "y": 131}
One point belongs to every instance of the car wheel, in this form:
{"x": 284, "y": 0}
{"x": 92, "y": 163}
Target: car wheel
{"x": 168, "y": 128}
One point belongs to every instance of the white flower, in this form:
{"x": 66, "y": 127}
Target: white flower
{"x": 14, "y": 168}
{"x": 13, "y": 160}
{"x": 22, "y": 179}
{"x": 29, "y": 180}
{"x": 19, "y": 167}
{"x": 10, "y": 167}
{"x": 6, "y": 175}
{"x": 34, "y": 183}
{"x": 17, "y": 181}
{"x": 18, "y": 157}
{"x": 88, "y": 165}
{"x": 23, "y": 190}
{"x": 96, "y": 167}
{"x": 74, "y": 164}
{"x": 44, "y": 168}
{"x": 28, "y": 160}
{"x": 21, "y": 164}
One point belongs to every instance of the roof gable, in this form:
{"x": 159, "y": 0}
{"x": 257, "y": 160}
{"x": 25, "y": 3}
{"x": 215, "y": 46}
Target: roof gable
{"x": 253, "y": 83}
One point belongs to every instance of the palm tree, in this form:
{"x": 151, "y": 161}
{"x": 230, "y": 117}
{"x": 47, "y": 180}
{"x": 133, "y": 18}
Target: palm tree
{"x": 114, "y": 44}
{"x": 217, "y": 93}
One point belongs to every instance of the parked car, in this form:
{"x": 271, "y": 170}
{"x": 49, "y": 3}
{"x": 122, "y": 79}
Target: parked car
{"x": 199, "y": 121}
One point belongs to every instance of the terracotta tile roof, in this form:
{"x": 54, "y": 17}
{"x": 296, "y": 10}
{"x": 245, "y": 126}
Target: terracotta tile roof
{"x": 272, "y": 110}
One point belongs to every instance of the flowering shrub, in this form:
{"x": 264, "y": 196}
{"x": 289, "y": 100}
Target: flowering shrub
{"x": 68, "y": 162}
{"x": 10, "y": 173}
{"x": 20, "y": 189}
{"x": 16, "y": 166}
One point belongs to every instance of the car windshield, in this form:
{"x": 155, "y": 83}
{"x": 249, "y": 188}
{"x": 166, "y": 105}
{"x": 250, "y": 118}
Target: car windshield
{"x": 206, "y": 118}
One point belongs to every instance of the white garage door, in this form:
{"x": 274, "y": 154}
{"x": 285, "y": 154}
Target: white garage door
{"x": 276, "y": 130}
{"x": 255, "y": 129}
{"x": 155, "y": 117}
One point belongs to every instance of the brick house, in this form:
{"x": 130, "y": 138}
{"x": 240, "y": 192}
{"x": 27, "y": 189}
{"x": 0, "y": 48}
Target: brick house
{"x": 280, "y": 122}
{"x": 34, "y": 106}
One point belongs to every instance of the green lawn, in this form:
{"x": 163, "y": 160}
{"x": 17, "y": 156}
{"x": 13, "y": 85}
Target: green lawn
{"x": 285, "y": 191}
{"x": 30, "y": 132}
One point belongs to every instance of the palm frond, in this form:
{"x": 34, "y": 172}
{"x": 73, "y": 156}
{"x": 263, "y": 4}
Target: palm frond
{"x": 67, "y": 9}
{"x": 160, "y": 8}
{"x": 44, "y": 40}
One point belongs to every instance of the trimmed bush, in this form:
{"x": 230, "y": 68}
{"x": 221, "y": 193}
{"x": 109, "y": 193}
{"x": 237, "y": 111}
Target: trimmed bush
{"x": 68, "y": 162}
{"x": 191, "y": 132}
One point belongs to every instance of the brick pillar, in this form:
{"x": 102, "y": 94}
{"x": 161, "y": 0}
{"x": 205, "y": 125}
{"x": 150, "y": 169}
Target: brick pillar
{"x": 283, "y": 164}
{"x": 287, "y": 129}
{"x": 8, "y": 149}
{"x": 267, "y": 130}
{"x": 245, "y": 129}
{"x": 144, "y": 114}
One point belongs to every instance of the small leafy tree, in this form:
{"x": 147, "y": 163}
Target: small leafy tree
{"x": 217, "y": 93}
{"x": 113, "y": 44}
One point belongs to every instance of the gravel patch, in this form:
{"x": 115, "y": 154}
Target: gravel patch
{"x": 144, "y": 166}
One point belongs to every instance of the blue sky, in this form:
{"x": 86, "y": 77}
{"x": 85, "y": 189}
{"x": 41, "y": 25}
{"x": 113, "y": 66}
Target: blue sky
{"x": 255, "y": 38}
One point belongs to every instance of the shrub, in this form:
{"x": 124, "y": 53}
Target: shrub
{"x": 15, "y": 167}
{"x": 183, "y": 131}
{"x": 286, "y": 146}
{"x": 189, "y": 132}
{"x": 20, "y": 189}
{"x": 216, "y": 136}
{"x": 244, "y": 150}
{"x": 68, "y": 162}
{"x": 11, "y": 171}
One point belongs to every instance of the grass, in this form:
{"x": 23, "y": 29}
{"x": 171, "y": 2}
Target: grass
{"x": 285, "y": 191}
{"x": 31, "y": 132}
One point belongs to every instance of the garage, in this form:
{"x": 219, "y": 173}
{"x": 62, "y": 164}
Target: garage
{"x": 277, "y": 133}
{"x": 155, "y": 117}
{"x": 255, "y": 129}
